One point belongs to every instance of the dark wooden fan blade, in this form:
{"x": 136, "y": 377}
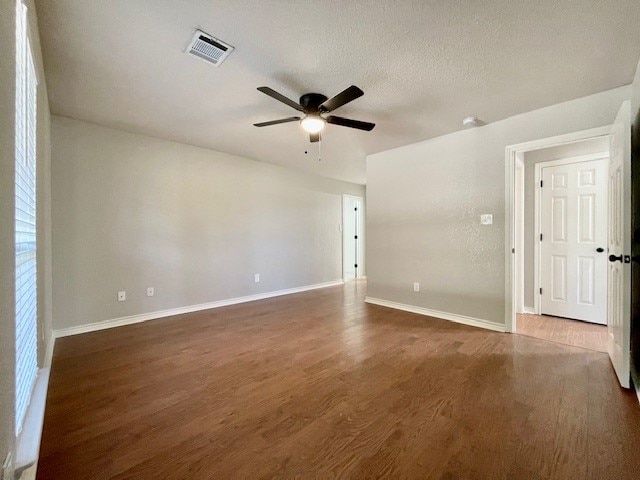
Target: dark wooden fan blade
{"x": 344, "y": 97}
{"x": 276, "y": 122}
{"x": 314, "y": 137}
{"x": 347, "y": 122}
{"x": 278, "y": 96}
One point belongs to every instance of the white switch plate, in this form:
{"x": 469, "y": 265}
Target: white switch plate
{"x": 256, "y": 278}
{"x": 151, "y": 292}
{"x": 486, "y": 219}
{"x": 122, "y": 296}
{"x": 416, "y": 287}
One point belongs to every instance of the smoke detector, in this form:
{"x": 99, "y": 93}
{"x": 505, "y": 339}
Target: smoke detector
{"x": 471, "y": 121}
{"x": 208, "y": 48}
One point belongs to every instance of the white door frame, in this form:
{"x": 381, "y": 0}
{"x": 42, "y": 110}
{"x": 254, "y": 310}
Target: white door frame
{"x": 537, "y": 253}
{"x": 519, "y": 230}
{"x": 360, "y": 253}
{"x": 513, "y": 153}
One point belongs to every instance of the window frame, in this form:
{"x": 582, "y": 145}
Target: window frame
{"x": 25, "y": 224}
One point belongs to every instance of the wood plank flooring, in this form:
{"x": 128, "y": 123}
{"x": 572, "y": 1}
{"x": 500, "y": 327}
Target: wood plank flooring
{"x": 321, "y": 385}
{"x": 563, "y": 330}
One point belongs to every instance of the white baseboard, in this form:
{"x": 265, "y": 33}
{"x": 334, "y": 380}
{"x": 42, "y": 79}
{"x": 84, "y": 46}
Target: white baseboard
{"x": 143, "y": 317}
{"x": 635, "y": 379}
{"x": 474, "y": 322}
{"x": 528, "y": 310}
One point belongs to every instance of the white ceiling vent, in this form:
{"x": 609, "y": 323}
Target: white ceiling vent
{"x": 208, "y": 48}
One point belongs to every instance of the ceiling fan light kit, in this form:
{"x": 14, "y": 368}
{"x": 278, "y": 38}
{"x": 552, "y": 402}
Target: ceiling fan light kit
{"x": 313, "y": 123}
{"x": 315, "y": 106}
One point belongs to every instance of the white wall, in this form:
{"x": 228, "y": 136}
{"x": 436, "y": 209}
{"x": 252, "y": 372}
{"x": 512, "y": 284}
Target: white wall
{"x": 131, "y": 212}
{"x": 635, "y": 94}
{"x": 424, "y": 202}
{"x": 7, "y": 214}
{"x": 7, "y": 246}
{"x": 596, "y": 145}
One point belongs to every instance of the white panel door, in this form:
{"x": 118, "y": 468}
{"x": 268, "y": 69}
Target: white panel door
{"x": 619, "y": 311}
{"x": 573, "y": 259}
{"x": 351, "y": 238}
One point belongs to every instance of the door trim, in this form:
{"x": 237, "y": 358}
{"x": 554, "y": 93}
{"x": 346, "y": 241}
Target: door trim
{"x": 511, "y": 153}
{"x": 537, "y": 251}
{"x": 519, "y": 231}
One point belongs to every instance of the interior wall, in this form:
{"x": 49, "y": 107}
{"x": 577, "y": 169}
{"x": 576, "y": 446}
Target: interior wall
{"x": 635, "y": 92}
{"x": 424, "y": 204}
{"x": 7, "y": 213}
{"x": 131, "y": 212}
{"x": 7, "y": 236}
{"x": 596, "y": 145}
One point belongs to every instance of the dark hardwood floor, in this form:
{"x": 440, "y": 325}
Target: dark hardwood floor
{"x": 322, "y": 385}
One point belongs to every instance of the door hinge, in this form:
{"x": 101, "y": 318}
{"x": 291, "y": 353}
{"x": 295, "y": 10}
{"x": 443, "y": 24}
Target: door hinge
{"x": 356, "y": 265}
{"x": 540, "y": 237}
{"x": 513, "y": 250}
{"x": 540, "y": 183}
{"x": 355, "y": 237}
{"x": 540, "y": 290}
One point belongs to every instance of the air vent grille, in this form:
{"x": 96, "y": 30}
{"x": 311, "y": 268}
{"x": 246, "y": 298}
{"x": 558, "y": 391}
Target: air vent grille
{"x": 209, "y": 48}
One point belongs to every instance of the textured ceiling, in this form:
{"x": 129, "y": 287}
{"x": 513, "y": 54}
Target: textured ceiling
{"x": 424, "y": 65}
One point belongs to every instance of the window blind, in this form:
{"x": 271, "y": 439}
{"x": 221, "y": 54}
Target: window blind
{"x": 25, "y": 218}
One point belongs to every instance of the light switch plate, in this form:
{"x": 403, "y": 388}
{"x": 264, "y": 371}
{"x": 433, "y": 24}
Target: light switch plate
{"x": 151, "y": 292}
{"x": 122, "y": 296}
{"x": 486, "y": 219}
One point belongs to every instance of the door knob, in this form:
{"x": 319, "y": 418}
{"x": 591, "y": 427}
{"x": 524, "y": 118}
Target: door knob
{"x": 613, "y": 258}
{"x": 599, "y": 249}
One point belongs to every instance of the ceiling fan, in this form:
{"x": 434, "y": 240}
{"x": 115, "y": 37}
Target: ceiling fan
{"x": 314, "y": 106}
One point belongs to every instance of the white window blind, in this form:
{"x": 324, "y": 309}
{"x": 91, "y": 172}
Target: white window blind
{"x": 25, "y": 218}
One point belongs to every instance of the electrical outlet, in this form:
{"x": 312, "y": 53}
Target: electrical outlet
{"x": 486, "y": 219}
{"x": 256, "y": 278}
{"x": 150, "y": 292}
{"x": 416, "y": 287}
{"x": 122, "y": 296}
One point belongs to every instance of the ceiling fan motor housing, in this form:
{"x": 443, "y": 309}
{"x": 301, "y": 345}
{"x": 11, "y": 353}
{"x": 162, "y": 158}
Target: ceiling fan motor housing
{"x": 311, "y": 101}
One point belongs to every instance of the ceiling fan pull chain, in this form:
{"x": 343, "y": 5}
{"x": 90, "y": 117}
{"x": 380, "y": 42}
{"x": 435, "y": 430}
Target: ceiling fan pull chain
{"x": 320, "y": 148}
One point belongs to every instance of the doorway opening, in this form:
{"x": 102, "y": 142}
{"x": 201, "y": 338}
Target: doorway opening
{"x": 352, "y": 237}
{"x": 560, "y": 228}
